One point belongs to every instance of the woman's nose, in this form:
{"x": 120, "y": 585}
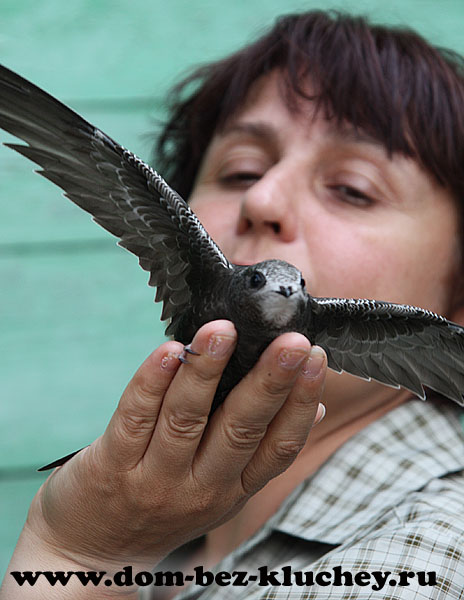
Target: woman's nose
{"x": 268, "y": 207}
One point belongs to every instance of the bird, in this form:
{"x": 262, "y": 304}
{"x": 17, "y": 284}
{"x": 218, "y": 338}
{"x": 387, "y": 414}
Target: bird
{"x": 395, "y": 344}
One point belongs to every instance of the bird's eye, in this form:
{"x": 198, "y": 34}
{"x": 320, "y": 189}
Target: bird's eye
{"x": 302, "y": 282}
{"x": 257, "y": 280}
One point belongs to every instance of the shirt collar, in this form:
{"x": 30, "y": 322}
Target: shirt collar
{"x": 374, "y": 471}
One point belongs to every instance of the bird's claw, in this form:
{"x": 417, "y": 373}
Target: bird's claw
{"x": 187, "y": 350}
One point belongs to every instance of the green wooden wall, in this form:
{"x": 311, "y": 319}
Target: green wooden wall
{"x": 76, "y": 315}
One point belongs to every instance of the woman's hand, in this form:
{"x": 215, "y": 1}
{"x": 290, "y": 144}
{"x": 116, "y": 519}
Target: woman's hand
{"x": 162, "y": 474}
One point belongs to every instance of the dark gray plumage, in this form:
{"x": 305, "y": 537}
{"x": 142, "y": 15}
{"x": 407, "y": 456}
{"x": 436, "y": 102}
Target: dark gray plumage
{"x": 395, "y": 344}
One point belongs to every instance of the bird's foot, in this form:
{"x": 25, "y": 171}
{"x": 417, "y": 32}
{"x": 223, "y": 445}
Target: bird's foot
{"x": 183, "y": 355}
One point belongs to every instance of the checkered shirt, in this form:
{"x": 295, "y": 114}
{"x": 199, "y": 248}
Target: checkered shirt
{"x": 390, "y": 500}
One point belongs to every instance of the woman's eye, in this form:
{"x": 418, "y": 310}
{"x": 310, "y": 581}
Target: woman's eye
{"x": 346, "y": 193}
{"x": 240, "y": 178}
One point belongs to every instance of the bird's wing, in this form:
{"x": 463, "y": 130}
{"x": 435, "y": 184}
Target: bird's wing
{"x": 122, "y": 193}
{"x": 396, "y": 344}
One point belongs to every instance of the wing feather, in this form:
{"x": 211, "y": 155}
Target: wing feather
{"x": 395, "y": 344}
{"x": 123, "y": 194}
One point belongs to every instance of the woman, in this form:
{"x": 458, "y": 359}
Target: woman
{"x": 336, "y": 146}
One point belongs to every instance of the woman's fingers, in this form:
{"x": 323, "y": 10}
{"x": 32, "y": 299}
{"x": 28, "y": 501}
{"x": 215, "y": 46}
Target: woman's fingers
{"x": 288, "y": 431}
{"x": 130, "y": 430}
{"x": 184, "y": 414}
{"x": 239, "y": 439}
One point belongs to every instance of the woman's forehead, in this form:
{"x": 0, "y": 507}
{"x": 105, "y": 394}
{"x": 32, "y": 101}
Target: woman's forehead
{"x": 270, "y": 98}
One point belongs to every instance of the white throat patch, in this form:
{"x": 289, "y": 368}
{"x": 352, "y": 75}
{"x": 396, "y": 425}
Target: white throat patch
{"x": 277, "y": 310}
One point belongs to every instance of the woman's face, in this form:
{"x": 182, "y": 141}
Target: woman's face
{"x": 356, "y": 222}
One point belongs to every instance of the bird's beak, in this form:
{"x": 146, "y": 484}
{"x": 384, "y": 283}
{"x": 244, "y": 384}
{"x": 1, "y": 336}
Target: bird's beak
{"x": 285, "y": 291}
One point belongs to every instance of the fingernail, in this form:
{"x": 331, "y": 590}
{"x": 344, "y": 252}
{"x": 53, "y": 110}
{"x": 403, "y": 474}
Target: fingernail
{"x": 291, "y": 359}
{"x": 320, "y": 414}
{"x": 219, "y": 344}
{"x": 314, "y": 364}
{"x": 170, "y": 361}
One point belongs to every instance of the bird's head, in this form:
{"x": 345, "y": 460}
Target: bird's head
{"x": 273, "y": 288}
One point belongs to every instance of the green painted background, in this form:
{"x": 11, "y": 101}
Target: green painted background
{"x": 76, "y": 315}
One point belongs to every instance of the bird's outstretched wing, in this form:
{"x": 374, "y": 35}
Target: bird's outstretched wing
{"x": 122, "y": 193}
{"x": 396, "y": 344}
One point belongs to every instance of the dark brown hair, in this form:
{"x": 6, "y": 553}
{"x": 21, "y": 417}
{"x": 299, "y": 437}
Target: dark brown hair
{"x": 389, "y": 82}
